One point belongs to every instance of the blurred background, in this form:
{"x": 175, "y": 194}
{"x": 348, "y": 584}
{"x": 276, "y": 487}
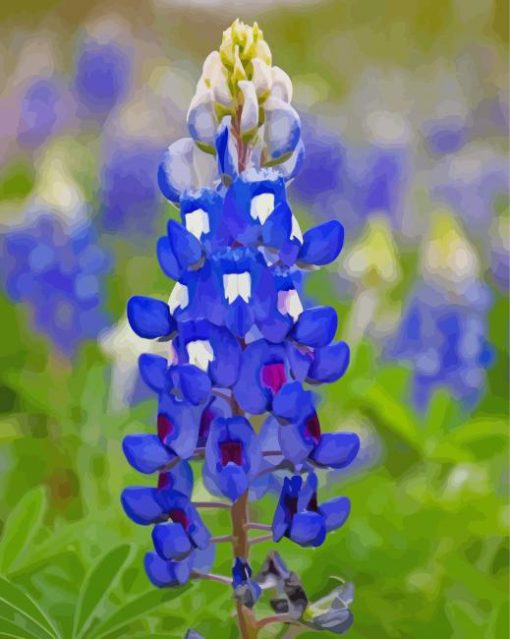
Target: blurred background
{"x": 404, "y": 107}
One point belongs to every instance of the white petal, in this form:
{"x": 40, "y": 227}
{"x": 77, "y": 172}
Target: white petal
{"x": 200, "y": 353}
{"x": 197, "y": 222}
{"x": 262, "y": 76}
{"x": 289, "y": 303}
{"x": 282, "y": 86}
{"x": 262, "y": 206}
{"x": 282, "y": 129}
{"x": 250, "y": 112}
{"x": 237, "y": 285}
{"x": 201, "y": 118}
{"x": 179, "y": 297}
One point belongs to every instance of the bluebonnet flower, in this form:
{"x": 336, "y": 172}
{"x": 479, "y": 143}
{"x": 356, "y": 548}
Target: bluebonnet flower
{"x": 57, "y": 271}
{"x": 239, "y": 340}
{"x": 102, "y": 76}
{"x": 299, "y": 517}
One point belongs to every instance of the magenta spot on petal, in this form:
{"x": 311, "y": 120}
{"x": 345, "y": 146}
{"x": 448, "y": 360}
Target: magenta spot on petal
{"x": 313, "y": 428}
{"x": 291, "y": 505}
{"x": 179, "y": 517}
{"x": 165, "y": 427}
{"x": 165, "y": 480}
{"x": 273, "y": 376}
{"x": 205, "y": 425}
{"x": 231, "y": 452}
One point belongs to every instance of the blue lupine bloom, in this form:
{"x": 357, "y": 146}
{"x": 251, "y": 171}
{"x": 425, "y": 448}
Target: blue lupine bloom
{"x": 446, "y": 135}
{"x": 299, "y": 517}
{"x": 39, "y": 113}
{"x": 102, "y": 76}
{"x": 239, "y": 340}
{"x": 447, "y": 344}
{"x": 57, "y": 272}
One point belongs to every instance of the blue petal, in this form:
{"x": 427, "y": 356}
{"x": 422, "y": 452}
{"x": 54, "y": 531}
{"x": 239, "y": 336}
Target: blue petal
{"x": 232, "y": 481}
{"x": 293, "y": 402}
{"x": 202, "y": 560}
{"x": 178, "y": 424}
{"x": 330, "y": 363}
{"x": 336, "y": 450}
{"x": 195, "y": 384}
{"x": 278, "y": 226}
{"x": 164, "y": 573}
{"x": 295, "y": 447}
{"x": 316, "y": 327}
{"x": 153, "y": 370}
{"x": 211, "y": 202}
{"x": 197, "y": 530}
{"x": 143, "y": 505}
{"x": 282, "y": 516}
{"x": 179, "y": 479}
{"x": 226, "y": 150}
{"x": 146, "y": 453}
{"x": 167, "y": 259}
{"x": 171, "y": 541}
{"x": 185, "y": 246}
{"x": 335, "y": 512}
{"x": 149, "y": 318}
{"x": 322, "y": 244}
{"x": 240, "y": 317}
{"x": 282, "y": 129}
{"x": 224, "y": 369}
{"x": 176, "y": 172}
{"x": 308, "y": 529}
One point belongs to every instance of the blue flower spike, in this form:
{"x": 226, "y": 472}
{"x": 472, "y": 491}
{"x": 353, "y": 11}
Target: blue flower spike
{"x": 238, "y": 342}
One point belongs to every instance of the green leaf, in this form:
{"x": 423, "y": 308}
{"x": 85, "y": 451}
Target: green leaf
{"x": 136, "y": 608}
{"x": 96, "y": 586}
{"x": 19, "y": 601}
{"x": 21, "y": 527}
{"x": 12, "y": 630}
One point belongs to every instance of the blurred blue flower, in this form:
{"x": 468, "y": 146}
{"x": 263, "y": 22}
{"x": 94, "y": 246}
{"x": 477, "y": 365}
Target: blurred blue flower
{"x": 39, "y": 112}
{"x": 446, "y": 135}
{"x": 129, "y": 197}
{"x": 102, "y": 77}
{"x": 446, "y": 342}
{"x": 57, "y": 271}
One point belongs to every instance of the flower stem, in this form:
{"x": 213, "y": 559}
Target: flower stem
{"x": 259, "y": 540}
{"x": 212, "y": 577}
{"x": 241, "y": 547}
{"x": 210, "y": 504}
{"x": 255, "y": 526}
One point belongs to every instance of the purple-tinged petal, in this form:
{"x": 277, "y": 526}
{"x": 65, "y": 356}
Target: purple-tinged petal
{"x": 178, "y": 424}
{"x": 179, "y": 479}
